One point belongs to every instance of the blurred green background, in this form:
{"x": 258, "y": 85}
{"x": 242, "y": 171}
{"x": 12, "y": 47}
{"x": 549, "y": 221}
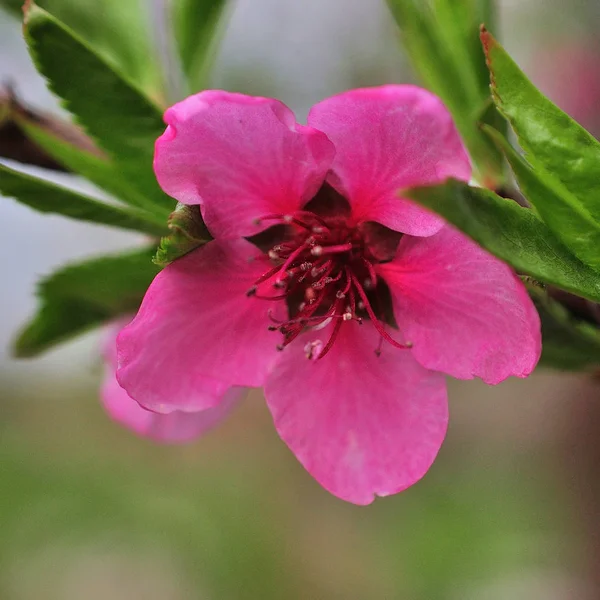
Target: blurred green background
{"x": 510, "y": 510}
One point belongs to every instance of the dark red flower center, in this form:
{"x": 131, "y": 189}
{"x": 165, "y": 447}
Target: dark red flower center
{"x": 324, "y": 269}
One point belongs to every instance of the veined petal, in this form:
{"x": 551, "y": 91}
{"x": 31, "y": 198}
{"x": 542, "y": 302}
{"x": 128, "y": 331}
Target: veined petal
{"x": 466, "y": 312}
{"x": 197, "y": 333}
{"x": 387, "y": 139}
{"x": 362, "y": 425}
{"x": 239, "y": 157}
{"x": 173, "y": 428}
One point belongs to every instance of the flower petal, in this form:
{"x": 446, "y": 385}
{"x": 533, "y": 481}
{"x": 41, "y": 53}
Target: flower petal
{"x": 176, "y": 427}
{"x": 197, "y": 333}
{"x": 240, "y": 157}
{"x": 466, "y": 312}
{"x": 361, "y": 424}
{"x": 387, "y": 139}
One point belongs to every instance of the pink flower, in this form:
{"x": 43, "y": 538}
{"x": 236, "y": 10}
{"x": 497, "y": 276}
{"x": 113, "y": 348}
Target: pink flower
{"x": 568, "y": 72}
{"x": 309, "y": 273}
{"x": 174, "y": 427}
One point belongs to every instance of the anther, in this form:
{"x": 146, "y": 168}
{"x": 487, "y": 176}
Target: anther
{"x": 273, "y": 255}
{"x": 368, "y": 284}
{"x": 340, "y": 295}
{"x": 287, "y": 219}
{"x": 318, "y": 229}
{"x": 347, "y": 316}
{"x": 316, "y": 250}
{"x": 312, "y": 350}
{"x": 306, "y": 266}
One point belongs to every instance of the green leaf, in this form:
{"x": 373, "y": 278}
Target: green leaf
{"x": 188, "y": 232}
{"x": 441, "y": 38}
{"x": 47, "y": 197}
{"x": 113, "y": 111}
{"x": 565, "y": 216}
{"x": 547, "y": 134}
{"x": 82, "y": 296}
{"x": 197, "y": 26}
{"x": 510, "y": 232}
{"x": 16, "y": 144}
{"x": 118, "y": 31}
{"x": 100, "y": 171}
{"x": 422, "y": 38}
{"x": 568, "y": 343}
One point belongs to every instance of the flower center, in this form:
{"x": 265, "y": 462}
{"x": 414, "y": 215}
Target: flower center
{"x": 323, "y": 268}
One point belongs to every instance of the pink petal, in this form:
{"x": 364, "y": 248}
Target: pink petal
{"x": 361, "y": 425}
{"x": 240, "y": 157}
{"x": 175, "y": 427}
{"x": 466, "y": 312}
{"x": 387, "y": 139}
{"x": 197, "y": 333}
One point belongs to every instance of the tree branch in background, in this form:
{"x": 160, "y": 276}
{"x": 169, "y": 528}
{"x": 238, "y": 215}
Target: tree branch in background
{"x": 15, "y": 144}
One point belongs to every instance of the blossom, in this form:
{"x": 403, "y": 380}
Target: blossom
{"x": 348, "y": 303}
{"x": 174, "y": 427}
{"x": 568, "y": 72}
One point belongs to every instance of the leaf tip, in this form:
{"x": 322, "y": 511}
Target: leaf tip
{"x": 21, "y": 346}
{"x": 27, "y": 7}
{"x": 487, "y": 40}
{"x": 30, "y": 11}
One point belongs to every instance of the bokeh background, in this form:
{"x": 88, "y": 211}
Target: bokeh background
{"x": 509, "y": 511}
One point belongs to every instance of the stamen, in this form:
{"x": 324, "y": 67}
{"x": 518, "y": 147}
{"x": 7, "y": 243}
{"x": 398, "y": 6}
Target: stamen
{"x": 376, "y": 321}
{"x": 323, "y": 264}
{"x": 313, "y": 349}
{"x": 336, "y": 249}
{"x": 372, "y": 273}
{"x": 261, "y": 297}
{"x": 311, "y": 215}
{"x": 266, "y": 276}
{"x": 295, "y": 254}
{"x": 334, "y": 334}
